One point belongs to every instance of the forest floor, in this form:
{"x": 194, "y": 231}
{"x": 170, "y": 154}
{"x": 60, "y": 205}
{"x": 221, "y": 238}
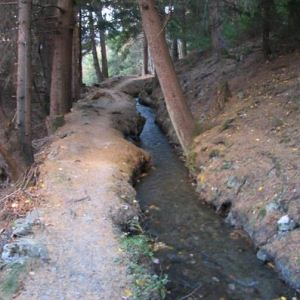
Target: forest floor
{"x": 245, "y": 163}
{"x": 85, "y": 198}
{"x": 246, "y": 155}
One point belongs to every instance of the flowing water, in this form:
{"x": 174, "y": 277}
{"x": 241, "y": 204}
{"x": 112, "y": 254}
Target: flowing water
{"x": 202, "y": 259}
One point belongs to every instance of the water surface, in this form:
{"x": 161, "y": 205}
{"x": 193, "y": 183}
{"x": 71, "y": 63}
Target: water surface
{"x": 203, "y": 260}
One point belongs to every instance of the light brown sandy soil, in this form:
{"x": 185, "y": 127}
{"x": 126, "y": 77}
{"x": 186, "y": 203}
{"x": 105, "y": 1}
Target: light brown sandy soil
{"x": 246, "y": 158}
{"x": 85, "y": 181}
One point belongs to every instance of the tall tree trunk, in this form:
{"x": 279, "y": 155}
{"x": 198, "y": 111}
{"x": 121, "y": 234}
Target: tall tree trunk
{"x": 24, "y": 80}
{"x": 103, "y": 54}
{"x": 103, "y": 43}
{"x": 76, "y": 80}
{"x": 94, "y": 48}
{"x": 61, "y": 79}
{"x": 216, "y": 26}
{"x": 266, "y": 6}
{"x": 177, "y": 107}
{"x": 76, "y": 61}
{"x": 145, "y": 55}
{"x": 183, "y": 46}
{"x": 80, "y": 47}
{"x": 175, "y": 53}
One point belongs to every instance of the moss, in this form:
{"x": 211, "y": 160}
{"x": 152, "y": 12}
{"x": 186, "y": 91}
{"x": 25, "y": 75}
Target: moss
{"x": 227, "y": 124}
{"x": 262, "y": 213}
{"x": 191, "y": 163}
{"x": 227, "y": 165}
{"x": 55, "y": 123}
{"x": 201, "y": 127}
{"x": 277, "y": 122}
{"x": 11, "y": 280}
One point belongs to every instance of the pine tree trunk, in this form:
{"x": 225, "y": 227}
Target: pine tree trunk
{"x": 216, "y": 26}
{"x": 94, "y": 48}
{"x": 76, "y": 62}
{"x": 183, "y": 46}
{"x": 177, "y": 107}
{"x": 103, "y": 54}
{"x": 61, "y": 79}
{"x": 266, "y": 7}
{"x": 80, "y": 47}
{"x": 145, "y": 56}
{"x": 175, "y": 53}
{"x": 24, "y": 79}
{"x": 103, "y": 44}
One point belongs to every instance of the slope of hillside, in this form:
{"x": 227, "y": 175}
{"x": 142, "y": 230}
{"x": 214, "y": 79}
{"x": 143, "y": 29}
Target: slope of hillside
{"x": 246, "y": 154}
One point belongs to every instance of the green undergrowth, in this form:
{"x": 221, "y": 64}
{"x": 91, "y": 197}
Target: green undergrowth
{"x": 10, "y": 280}
{"x": 145, "y": 284}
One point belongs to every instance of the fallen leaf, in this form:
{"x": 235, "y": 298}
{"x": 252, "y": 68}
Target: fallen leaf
{"x": 128, "y": 293}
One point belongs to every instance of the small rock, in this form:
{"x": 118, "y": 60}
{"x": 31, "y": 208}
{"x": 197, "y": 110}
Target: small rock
{"x": 233, "y": 183}
{"x": 241, "y": 95}
{"x": 263, "y": 255}
{"x": 231, "y": 286}
{"x": 155, "y": 261}
{"x": 24, "y": 248}
{"x": 285, "y": 223}
{"x": 273, "y": 206}
{"x": 23, "y": 226}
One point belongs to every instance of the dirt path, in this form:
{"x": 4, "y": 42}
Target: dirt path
{"x": 84, "y": 180}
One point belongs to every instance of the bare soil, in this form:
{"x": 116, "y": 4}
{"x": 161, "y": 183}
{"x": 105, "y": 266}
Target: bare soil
{"x": 86, "y": 171}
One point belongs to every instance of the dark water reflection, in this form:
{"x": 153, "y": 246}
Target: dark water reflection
{"x": 201, "y": 257}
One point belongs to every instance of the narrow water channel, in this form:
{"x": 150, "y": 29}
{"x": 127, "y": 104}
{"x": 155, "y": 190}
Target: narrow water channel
{"x": 202, "y": 259}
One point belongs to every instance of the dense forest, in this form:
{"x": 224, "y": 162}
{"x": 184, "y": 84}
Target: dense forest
{"x": 59, "y": 42}
{"x": 202, "y": 65}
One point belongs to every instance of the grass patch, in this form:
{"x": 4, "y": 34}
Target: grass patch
{"x": 11, "y": 280}
{"x": 145, "y": 285}
{"x": 228, "y": 124}
{"x": 191, "y": 162}
{"x": 227, "y": 165}
{"x": 262, "y": 213}
{"x": 201, "y": 127}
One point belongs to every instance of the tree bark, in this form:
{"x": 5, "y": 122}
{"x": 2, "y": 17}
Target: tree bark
{"x": 216, "y": 26}
{"x": 94, "y": 48}
{"x": 175, "y": 53}
{"x": 145, "y": 55}
{"x": 103, "y": 43}
{"x": 177, "y": 107}
{"x": 80, "y": 47}
{"x": 76, "y": 80}
{"x": 24, "y": 80}
{"x": 61, "y": 79}
{"x": 76, "y": 61}
{"x": 266, "y": 6}
{"x": 183, "y": 46}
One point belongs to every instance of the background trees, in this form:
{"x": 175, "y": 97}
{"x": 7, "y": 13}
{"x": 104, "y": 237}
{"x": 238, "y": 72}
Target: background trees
{"x": 24, "y": 80}
{"x": 108, "y": 37}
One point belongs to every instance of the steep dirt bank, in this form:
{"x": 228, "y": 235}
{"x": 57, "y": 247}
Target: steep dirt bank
{"x": 85, "y": 174}
{"x": 246, "y": 155}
